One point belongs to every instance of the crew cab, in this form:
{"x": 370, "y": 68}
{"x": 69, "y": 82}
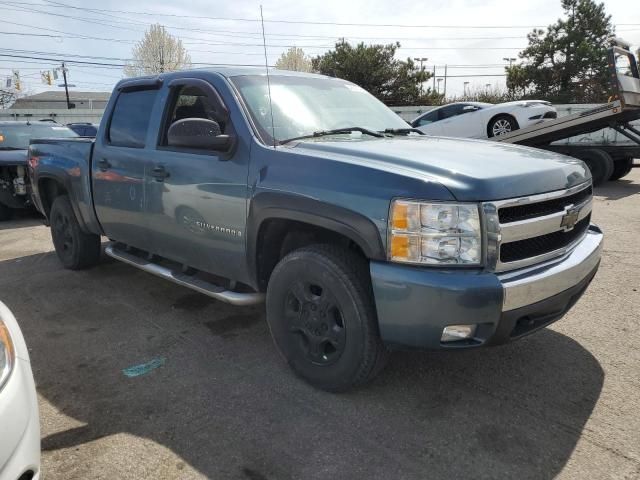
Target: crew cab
{"x": 361, "y": 234}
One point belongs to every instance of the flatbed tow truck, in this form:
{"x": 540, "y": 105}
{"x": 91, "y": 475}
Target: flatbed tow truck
{"x": 606, "y": 161}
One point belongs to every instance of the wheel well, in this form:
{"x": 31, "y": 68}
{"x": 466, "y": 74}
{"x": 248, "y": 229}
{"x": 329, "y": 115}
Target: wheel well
{"x": 498, "y": 115}
{"x": 278, "y": 237}
{"x": 49, "y": 189}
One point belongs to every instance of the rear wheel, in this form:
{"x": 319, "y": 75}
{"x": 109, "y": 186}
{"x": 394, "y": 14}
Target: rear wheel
{"x": 599, "y": 162}
{"x": 5, "y": 212}
{"x": 621, "y": 168}
{"x": 501, "y": 125}
{"x": 321, "y": 314}
{"x": 75, "y": 248}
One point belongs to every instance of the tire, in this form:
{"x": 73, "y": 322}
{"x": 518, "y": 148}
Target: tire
{"x": 621, "y": 168}
{"x": 75, "y": 248}
{"x": 5, "y": 212}
{"x": 599, "y": 162}
{"x": 501, "y": 125}
{"x": 322, "y": 318}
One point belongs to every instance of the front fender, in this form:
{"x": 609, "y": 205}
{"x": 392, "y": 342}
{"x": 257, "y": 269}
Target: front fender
{"x": 290, "y": 206}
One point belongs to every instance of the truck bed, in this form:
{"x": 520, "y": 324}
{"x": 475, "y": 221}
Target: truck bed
{"x": 69, "y": 159}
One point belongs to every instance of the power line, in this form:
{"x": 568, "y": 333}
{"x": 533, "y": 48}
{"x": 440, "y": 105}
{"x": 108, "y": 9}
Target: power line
{"x": 106, "y": 12}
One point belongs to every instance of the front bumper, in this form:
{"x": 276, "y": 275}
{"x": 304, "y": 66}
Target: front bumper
{"x": 19, "y": 418}
{"x": 415, "y": 304}
{"x": 19, "y": 425}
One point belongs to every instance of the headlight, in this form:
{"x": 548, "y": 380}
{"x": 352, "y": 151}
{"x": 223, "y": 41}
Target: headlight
{"x": 435, "y": 233}
{"x": 7, "y": 354}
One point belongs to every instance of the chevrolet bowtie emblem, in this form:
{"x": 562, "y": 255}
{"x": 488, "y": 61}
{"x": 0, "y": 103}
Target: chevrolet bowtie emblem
{"x": 570, "y": 218}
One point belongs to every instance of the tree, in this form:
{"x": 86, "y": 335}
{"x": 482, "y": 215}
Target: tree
{"x": 7, "y": 98}
{"x": 294, "y": 59}
{"x": 567, "y": 63}
{"x": 157, "y": 52}
{"x": 375, "y": 68}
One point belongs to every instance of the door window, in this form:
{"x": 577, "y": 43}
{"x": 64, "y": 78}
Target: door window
{"x": 130, "y": 118}
{"x": 451, "y": 111}
{"x": 427, "y": 118}
{"x": 191, "y": 102}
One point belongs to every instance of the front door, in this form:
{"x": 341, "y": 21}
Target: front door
{"x": 119, "y": 161}
{"x": 196, "y": 199}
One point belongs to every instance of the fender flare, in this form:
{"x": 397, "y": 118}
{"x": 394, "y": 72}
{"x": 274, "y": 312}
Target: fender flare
{"x": 287, "y": 206}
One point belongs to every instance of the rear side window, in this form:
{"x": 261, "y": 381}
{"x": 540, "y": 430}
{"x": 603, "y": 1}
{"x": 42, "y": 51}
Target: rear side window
{"x": 130, "y": 119}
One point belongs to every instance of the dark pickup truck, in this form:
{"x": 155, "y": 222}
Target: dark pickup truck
{"x": 15, "y": 190}
{"x": 362, "y": 235}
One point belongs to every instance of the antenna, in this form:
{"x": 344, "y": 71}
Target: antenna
{"x": 266, "y": 67}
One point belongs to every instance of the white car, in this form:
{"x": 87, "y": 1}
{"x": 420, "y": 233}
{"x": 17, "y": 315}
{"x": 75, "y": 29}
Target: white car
{"x": 483, "y": 120}
{"x": 19, "y": 419}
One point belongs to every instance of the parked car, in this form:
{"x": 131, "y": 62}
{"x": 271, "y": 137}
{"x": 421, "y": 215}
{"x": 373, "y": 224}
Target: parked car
{"x": 362, "y": 235}
{"x": 84, "y": 129}
{"x": 19, "y": 418}
{"x": 15, "y": 190}
{"x": 483, "y": 120}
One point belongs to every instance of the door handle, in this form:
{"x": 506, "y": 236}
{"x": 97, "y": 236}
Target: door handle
{"x": 104, "y": 164}
{"x": 159, "y": 173}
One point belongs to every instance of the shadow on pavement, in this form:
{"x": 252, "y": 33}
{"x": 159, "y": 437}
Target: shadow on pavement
{"x": 22, "y": 219}
{"x": 227, "y": 405}
{"x": 618, "y": 189}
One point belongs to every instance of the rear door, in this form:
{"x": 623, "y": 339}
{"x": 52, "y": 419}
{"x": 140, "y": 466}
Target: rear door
{"x": 197, "y": 198}
{"x": 120, "y": 158}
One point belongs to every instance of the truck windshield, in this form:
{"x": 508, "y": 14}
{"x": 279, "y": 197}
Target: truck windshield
{"x": 16, "y": 137}
{"x": 304, "y": 105}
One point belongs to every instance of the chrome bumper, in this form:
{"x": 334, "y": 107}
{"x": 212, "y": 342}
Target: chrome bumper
{"x": 530, "y": 285}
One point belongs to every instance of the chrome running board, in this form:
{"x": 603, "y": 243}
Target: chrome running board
{"x": 204, "y": 287}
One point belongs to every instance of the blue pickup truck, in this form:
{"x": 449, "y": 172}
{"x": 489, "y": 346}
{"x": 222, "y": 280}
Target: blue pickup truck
{"x": 305, "y": 192}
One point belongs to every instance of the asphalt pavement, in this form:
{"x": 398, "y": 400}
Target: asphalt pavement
{"x": 142, "y": 379}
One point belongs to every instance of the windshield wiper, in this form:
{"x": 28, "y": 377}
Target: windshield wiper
{"x": 402, "y": 131}
{"x": 13, "y": 148}
{"x": 335, "y": 131}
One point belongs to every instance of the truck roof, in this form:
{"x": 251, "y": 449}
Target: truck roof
{"x": 230, "y": 71}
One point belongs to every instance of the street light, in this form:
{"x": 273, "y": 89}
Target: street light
{"x": 510, "y": 60}
{"x": 421, "y": 60}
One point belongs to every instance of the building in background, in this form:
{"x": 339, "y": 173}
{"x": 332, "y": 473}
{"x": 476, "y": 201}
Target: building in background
{"x": 89, "y": 107}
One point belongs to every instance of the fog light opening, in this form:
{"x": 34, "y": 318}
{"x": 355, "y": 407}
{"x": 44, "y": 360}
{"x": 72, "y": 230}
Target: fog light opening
{"x": 455, "y": 333}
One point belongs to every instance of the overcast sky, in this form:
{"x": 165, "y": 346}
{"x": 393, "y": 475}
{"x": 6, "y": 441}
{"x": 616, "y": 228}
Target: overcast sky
{"x": 228, "y": 32}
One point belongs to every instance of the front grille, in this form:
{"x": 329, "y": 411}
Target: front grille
{"x": 532, "y": 247}
{"x": 550, "y": 115}
{"x": 532, "y": 210}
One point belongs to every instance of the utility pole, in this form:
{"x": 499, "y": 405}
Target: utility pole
{"x": 464, "y": 88}
{"x": 444, "y": 94}
{"x": 439, "y": 80}
{"x": 434, "y": 78}
{"x": 66, "y": 87}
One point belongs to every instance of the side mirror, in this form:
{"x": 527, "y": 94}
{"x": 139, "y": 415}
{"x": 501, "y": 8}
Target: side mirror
{"x": 199, "y": 133}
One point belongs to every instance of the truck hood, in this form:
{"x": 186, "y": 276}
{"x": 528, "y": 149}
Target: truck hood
{"x": 472, "y": 170}
{"x": 13, "y": 157}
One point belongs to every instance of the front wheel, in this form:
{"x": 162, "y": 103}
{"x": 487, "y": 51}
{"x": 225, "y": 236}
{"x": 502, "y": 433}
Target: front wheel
{"x": 75, "y": 248}
{"x": 600, "y": 164}
{"x": 501, "y": 125}
{"x": 321, "y": 314}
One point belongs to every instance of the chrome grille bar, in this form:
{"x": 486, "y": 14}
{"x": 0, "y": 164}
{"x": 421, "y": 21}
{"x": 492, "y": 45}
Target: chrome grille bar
{"x": 498, "y": 233}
